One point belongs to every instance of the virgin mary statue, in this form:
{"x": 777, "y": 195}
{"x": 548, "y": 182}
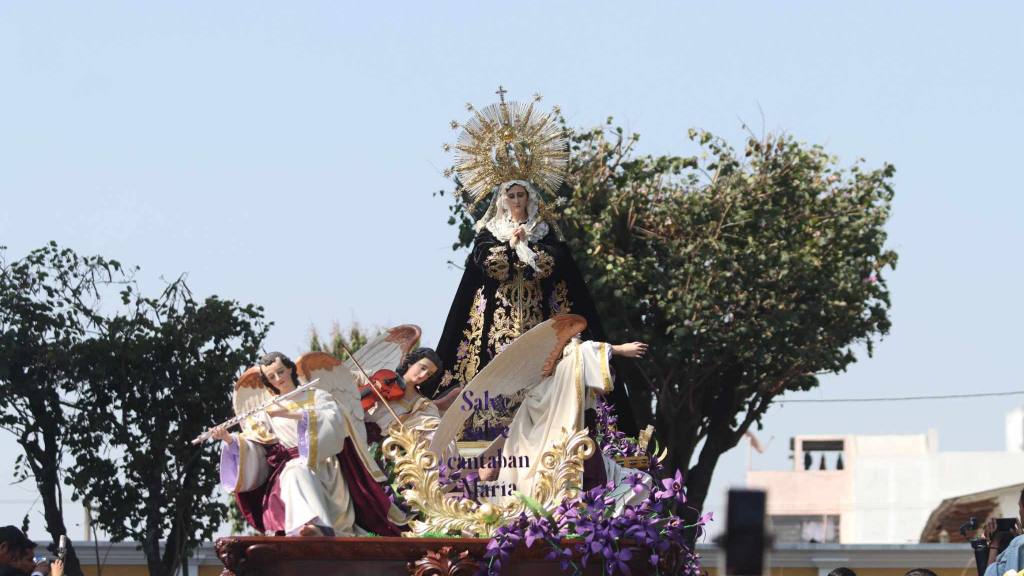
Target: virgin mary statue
{"x": 519, "y": 271}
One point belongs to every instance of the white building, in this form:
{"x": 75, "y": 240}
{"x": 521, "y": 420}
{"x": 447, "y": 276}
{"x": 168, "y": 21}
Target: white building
{"x": 885, "y": 487}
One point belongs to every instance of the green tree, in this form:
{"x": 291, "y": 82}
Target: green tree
{"x": 159, "y": 374}
{"x": 353, "y": 339}
{"x": 748, "y": 274}
{"x": 49, "y": 304}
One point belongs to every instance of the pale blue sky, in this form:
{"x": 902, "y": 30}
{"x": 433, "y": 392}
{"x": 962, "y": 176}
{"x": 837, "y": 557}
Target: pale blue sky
{"x": 285, "y": 154}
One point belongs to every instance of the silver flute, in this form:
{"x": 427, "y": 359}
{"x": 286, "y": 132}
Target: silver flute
{"x": 273, "y": 401}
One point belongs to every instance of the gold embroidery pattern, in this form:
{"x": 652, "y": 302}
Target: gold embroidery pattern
{"x": 606, "y": 376}
{"x": 496, "y": 263}
{"x": 578, "y": 361}
{"x": 256, "y": 430}
{"x": 545, "y": 265}
{"x": 313, "y": 440}
{"x": 491, "y": 421}
{"x": 446, "y": 380}
{"x": 518, "y": 307}
{"x": 467, "y": 358}
{"x": 560, "y": 303}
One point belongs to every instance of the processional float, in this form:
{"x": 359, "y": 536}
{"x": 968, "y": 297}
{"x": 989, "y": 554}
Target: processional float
{"x": 450, "y": 526}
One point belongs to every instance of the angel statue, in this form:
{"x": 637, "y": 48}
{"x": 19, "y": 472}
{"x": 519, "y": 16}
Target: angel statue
{"x": 561, "y": 377}
{"x": 520, "y": 271}
{"x": 418, "y": 369}
{"x": 302, "y": 467}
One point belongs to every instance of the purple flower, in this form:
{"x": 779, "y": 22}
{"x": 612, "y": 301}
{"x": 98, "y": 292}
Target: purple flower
{"x": 643, "y": 531}
{"x": 651, "y": 525}
{"x": 673, "y": 488}
{"x": 636, "y": 482}
{"x": 596, "y": 500}
{"x": 535, "y": 531}
{"x": 618, "y": 560}
{"x": 563, "y": 555}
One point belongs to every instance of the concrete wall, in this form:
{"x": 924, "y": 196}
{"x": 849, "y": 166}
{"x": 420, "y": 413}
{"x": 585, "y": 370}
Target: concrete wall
{"x": 893, "y": 495}
{"x": 817, "y": 490}
{"x": 889, "y": 486}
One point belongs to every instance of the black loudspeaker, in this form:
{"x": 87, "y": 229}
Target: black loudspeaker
{"x": 745, "y": 539}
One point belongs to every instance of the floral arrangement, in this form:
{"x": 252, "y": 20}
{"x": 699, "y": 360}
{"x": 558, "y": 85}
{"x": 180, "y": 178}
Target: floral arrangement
{"x": 591, "y": 530}
{"x": 609, "y": 439}
{"x": 596, "y": 527}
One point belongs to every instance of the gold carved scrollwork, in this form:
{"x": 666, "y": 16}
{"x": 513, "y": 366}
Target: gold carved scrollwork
{"x": 559, "y": 476}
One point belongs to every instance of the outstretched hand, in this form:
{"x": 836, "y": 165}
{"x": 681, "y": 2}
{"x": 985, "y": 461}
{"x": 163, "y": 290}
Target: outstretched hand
{"x": 630, "y": 350}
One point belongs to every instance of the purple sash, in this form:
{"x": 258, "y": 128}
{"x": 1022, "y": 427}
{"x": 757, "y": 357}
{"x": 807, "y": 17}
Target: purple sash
{"x": 262, "y": 506}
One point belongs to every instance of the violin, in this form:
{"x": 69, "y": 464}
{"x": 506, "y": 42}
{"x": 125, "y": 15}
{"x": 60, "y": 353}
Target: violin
{"x": 388, "y": 383}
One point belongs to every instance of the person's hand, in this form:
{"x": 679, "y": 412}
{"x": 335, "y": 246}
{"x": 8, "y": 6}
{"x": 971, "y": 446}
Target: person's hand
{"x": 57, "y": 568}
{"x": 997, "y": 539}
{"x": 989, "y": 528}
{"x": 221, "y": 433}
{"x": 630, "y": 350}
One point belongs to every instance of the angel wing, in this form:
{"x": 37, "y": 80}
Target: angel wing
{"x": 386, "y": 350}
{"x": 521, "y": 364}
{"x": 250, "y": 393}
{"x": 340, "y": 378}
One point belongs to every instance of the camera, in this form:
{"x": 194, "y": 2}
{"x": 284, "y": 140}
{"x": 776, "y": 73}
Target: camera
{"x": 1006, "y": 524}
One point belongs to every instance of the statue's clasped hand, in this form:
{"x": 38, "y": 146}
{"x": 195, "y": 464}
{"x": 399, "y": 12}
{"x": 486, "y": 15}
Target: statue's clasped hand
{"x": 518, "y": 235}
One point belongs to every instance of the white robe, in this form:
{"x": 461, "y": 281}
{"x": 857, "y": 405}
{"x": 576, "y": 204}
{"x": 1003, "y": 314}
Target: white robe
{"x": 414, "y": 410}
{"x": 552, "y": 410}
{"x": 312, "y": 486}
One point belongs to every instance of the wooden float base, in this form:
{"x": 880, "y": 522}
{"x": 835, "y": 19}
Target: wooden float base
{"x": 381, "y": 556}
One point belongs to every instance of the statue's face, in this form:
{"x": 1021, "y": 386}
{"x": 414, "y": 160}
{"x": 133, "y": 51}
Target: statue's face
{"x": 280, "y": 376}
{"x": 419, "y": 372}
{"x": 516, "y": 199}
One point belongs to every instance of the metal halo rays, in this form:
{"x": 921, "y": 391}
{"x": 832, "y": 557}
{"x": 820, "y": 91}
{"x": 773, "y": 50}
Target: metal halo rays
{"x": 509, "y": 141}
